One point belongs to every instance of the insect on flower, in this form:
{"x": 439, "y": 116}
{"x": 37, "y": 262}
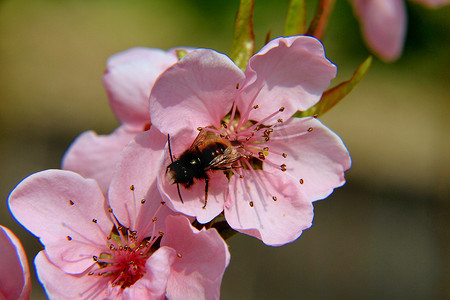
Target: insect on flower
{"x": 209, "y": 151}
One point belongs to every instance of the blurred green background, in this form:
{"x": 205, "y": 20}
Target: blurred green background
{"x": 384, "y": 235}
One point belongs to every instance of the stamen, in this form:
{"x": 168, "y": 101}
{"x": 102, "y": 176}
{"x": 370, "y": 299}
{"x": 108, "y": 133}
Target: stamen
{"x": 233, "y": 113}
{"x": 71, "y": 202}
{"x": 301, "y": 181}
{"x": 244, "y": 117}
{"x": 310, "y": 129}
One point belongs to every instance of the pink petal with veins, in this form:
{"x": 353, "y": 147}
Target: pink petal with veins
{"x": 15, "y": 282}
{"x": 269, "y": 206}
{"x": 94, "y": 156}
{"x": 197, "y": 91}
{"x": 59, "y": 207}
{"x": 137, "y": 167}
{"x": 202, "y": 257}
{"x": 315, "y": 156}
{"x": 129, "y": 78}
{"x": 288, "y": 72}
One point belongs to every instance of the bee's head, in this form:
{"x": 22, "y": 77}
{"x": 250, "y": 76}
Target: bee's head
{"x": 183, "y": 170}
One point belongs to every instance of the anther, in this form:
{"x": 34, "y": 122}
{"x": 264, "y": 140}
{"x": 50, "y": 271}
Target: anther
{"x": 142, "y": 201}
{"x": 267, "y": 139}
{"x": 162, "y": 202}
{"x": 199, "y": 128}
{"x": 179, "y": 255}
{"x": 310, "y": 129}
{"x": 261, "y": 155}
{"x": 266, "y": 148}
{"x": 71, "y": 202}
{"x": 94, "y": 220}
{"x": 280, "y": 120}
{"x": 301, "y": 181}
{"x": 247, "y": 138}
{"x": 281, "y": 108}
{"x": 154, "y": 219}
{"x": 251, "y": 203}
{"x": 258, "y": 127}
{"x": 69, "y": 238}
{"x": 315, "y": 116}
{"x": 147, "y": 126}
{"x": 256, "y": 106}
{"x": 95, "y": 258}
{"x": 110, "y": 210}
{"x": 283, "y": 167}
{"x": 90, "y": 273}
{"x": 237, "y": 85}
{"x": 274, "y": 198}
{"x": 284, "y": 155}
{"x": 161, "y": 233}
{"x": 132, "y": 187}
{"x": 241, "y": 176}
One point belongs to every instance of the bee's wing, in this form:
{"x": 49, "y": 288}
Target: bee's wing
{"x": 225, "y": 160}
{"x": 202, "y": 137}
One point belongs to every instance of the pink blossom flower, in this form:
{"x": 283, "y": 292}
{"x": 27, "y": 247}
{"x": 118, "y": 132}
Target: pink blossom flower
{"x": 15, "y": 280}
{"x": 93, "y": 252}
{"x": 283, "y": 163}
{"x": 128, "y": 80}
{"x": 383, "y": 23}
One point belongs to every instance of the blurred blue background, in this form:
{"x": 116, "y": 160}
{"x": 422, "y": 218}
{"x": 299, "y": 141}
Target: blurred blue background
{"x": 384, "y": 235}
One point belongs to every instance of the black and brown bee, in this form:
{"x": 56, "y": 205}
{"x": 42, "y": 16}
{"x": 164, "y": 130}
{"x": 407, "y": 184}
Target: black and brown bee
{"x": 209, "y": 151}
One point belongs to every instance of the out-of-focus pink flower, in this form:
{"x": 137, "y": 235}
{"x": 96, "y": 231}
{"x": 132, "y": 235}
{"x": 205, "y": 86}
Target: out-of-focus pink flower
{"x": 128, "y": 79}
{"x": 286, "y": 162}
{"x": 91, "y": 252}
{"x": 15, "y": 280}
{"x": 383, "y": 24}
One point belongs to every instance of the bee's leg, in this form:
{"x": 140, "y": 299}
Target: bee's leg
{"x": 224, "y": 168}
{"x": 206, "y": 190}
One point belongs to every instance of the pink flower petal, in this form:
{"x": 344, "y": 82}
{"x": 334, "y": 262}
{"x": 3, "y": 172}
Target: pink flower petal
{"x": 15, "y": 282}
{"x": 60, "y": 285}
{"x": 268, "y": 206}
{"x": 202, "y": 259}
{"x": 287, "y": 72}
{"x": 129, "y": 78}
{"x": 194, "y": 196}
{"x": 316, "y": 156}
{"x": 154, "y": 283}
{"x": 197, "y": 91}
{"x": 383, "y": 23}
{"x": 94, "y": 156}
{"x": 137, "y": 167}
{"x": 60, "y": 207}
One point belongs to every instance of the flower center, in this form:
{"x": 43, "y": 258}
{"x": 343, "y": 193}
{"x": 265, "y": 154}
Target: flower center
{"x": 124, "y": 261}
{"x": 250, "y": 137}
